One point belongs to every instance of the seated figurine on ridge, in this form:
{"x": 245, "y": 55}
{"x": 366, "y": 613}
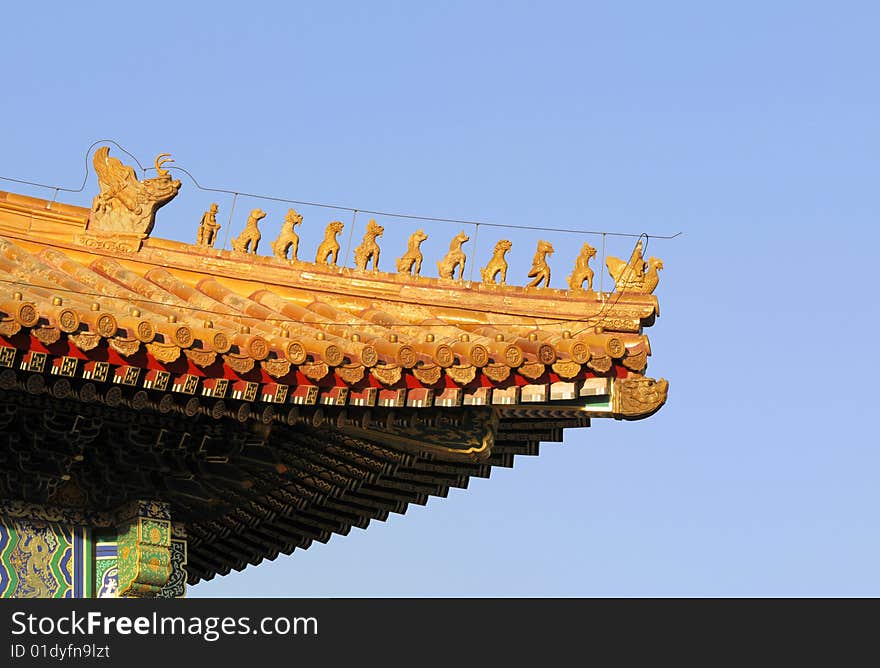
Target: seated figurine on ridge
{"x": 582, "y": 271}
{"x": 369, "y": 248}
{"x": 497, "y": 264}
{"x": 250, "y": 236}
{"x": 288, "y": 239}
{"x": 454, "y": 258}
{"x": 410, "y": 263}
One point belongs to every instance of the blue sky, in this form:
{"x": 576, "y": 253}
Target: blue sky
{"x": 751, "y": 127}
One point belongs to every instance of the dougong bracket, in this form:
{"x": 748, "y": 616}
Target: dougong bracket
{"x": 144, "y": 550}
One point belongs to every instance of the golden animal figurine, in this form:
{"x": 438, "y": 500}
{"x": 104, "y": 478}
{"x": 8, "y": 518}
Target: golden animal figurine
{"x": 540, "y": 270}
{"x": 412, "y": 259}
{"x": 582, "y": 271}
{"x": 329, "y": 247}
{"x": 124, "y": 204}
{"x": 369, "y": 248}
{"x": 638, "y": 397}
{"x": 288, "y": 240}
{"x": 497, "y": 264}
{"x": 208, "y": 227}
{"x": 454, "y": 258}
{"x": 250, "y": 236}
{"x": 636, "y": 275}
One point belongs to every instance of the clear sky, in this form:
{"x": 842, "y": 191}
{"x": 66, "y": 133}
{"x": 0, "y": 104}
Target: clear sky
{"x": 751, "y": 127}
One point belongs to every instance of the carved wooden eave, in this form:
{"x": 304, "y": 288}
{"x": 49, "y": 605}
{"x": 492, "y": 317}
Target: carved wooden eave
{"x": 280, "y": 401}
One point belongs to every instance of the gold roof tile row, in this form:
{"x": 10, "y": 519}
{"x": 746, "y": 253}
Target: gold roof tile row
{"x": 175, "y": 300}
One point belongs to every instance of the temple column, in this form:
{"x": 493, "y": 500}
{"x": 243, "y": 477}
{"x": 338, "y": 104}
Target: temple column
{"x": 48, "y": 552}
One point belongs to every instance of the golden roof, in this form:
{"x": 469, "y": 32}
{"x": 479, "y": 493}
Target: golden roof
{"x": 394, "y": 386}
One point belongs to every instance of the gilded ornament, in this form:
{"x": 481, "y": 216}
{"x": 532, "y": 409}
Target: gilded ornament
{"x": 295, "y": 352}
{"x": 454, "y": 258}
{"x": 328, "y": 250}
{"x": 208, "y": 227}
{"x": 636, "y": 276}
{"x": 582, "y": 271}
{"x": 352, "y": 373}
{"x": 47, "y": 513}
{"x": 288, "y": 239}
{"x": 26, "y": 314}
{"x": 410, "y": 263}
{"x": 615, "y": 347}
{"x": 85, "y": 341}
{"x": 217, "y": 341}
{"x": 315, "y": 370}
{"x": 125, "y": 347}
{"x": 638, "y": 397}
{"x": 497, "y": 373}
{"x": 70, "y": 495}
{"x": 115, "y": 242}
{"x": 513, "y": 356}
{"x": 636, "y": 360}
{"x": 369, "y": 356}
{"x": 201, "y": 358}
{"x": 277, "y": 368}
{"x": 566, "y": 368}
{"x": 387, "y": 374}
{"x": 46, "y": 335}
{"x": 68, "y": 320}
{"x": 444, "y": 356}
{"x": 126, "y": 207}
{"x": 540, "y": 271}
{"x": 239, "y": 363}
{"x": 633, "y": 325}
{"x": 497, "y": 265}
{"x": 600, "y": 363}
{"x": 580, "y": 352}
{"x": 478, "y": 355}
{"x": 144, "y": 331}
{"x": 369, "y": 248}
{"x": 163, "y": 352}
{"x": 250, "y": 236}
{"x": 406, "y": 357}
{"x": 333, "y": 355}
{"x": 9, "y": 327}
{"x": 427, "y": 374}
{"x": 258, "y": 348}
{"x": 106, "y": 325}
{"x": 532, "y": 370}
{"x": 462, "y": 374}
{"x": 546, "y": 353}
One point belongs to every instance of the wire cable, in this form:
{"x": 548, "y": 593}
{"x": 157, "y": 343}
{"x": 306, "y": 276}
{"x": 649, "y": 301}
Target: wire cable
{"x": 338, "y": 207}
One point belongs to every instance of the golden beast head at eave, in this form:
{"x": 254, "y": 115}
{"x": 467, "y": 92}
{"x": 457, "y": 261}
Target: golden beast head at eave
{"x": 126, "y": 205}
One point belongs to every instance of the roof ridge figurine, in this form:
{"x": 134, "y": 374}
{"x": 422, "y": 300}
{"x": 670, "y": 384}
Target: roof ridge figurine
{"x": 288, "y": 239}
{"x": 454, "y": 258}
{"x": 124, "y": 211}
{"x": 497, "y": 264}
{"x": 410, "y": 263}
{"x": 369, "y": 248}
{"x": 635, "y": 276}
{"x": 250, "y": 236}
{"x": 208, "y": 227}
{"x": 540, "y": 270}
{"x": 186, "y": 411}
{"x": 329, "y": 247}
